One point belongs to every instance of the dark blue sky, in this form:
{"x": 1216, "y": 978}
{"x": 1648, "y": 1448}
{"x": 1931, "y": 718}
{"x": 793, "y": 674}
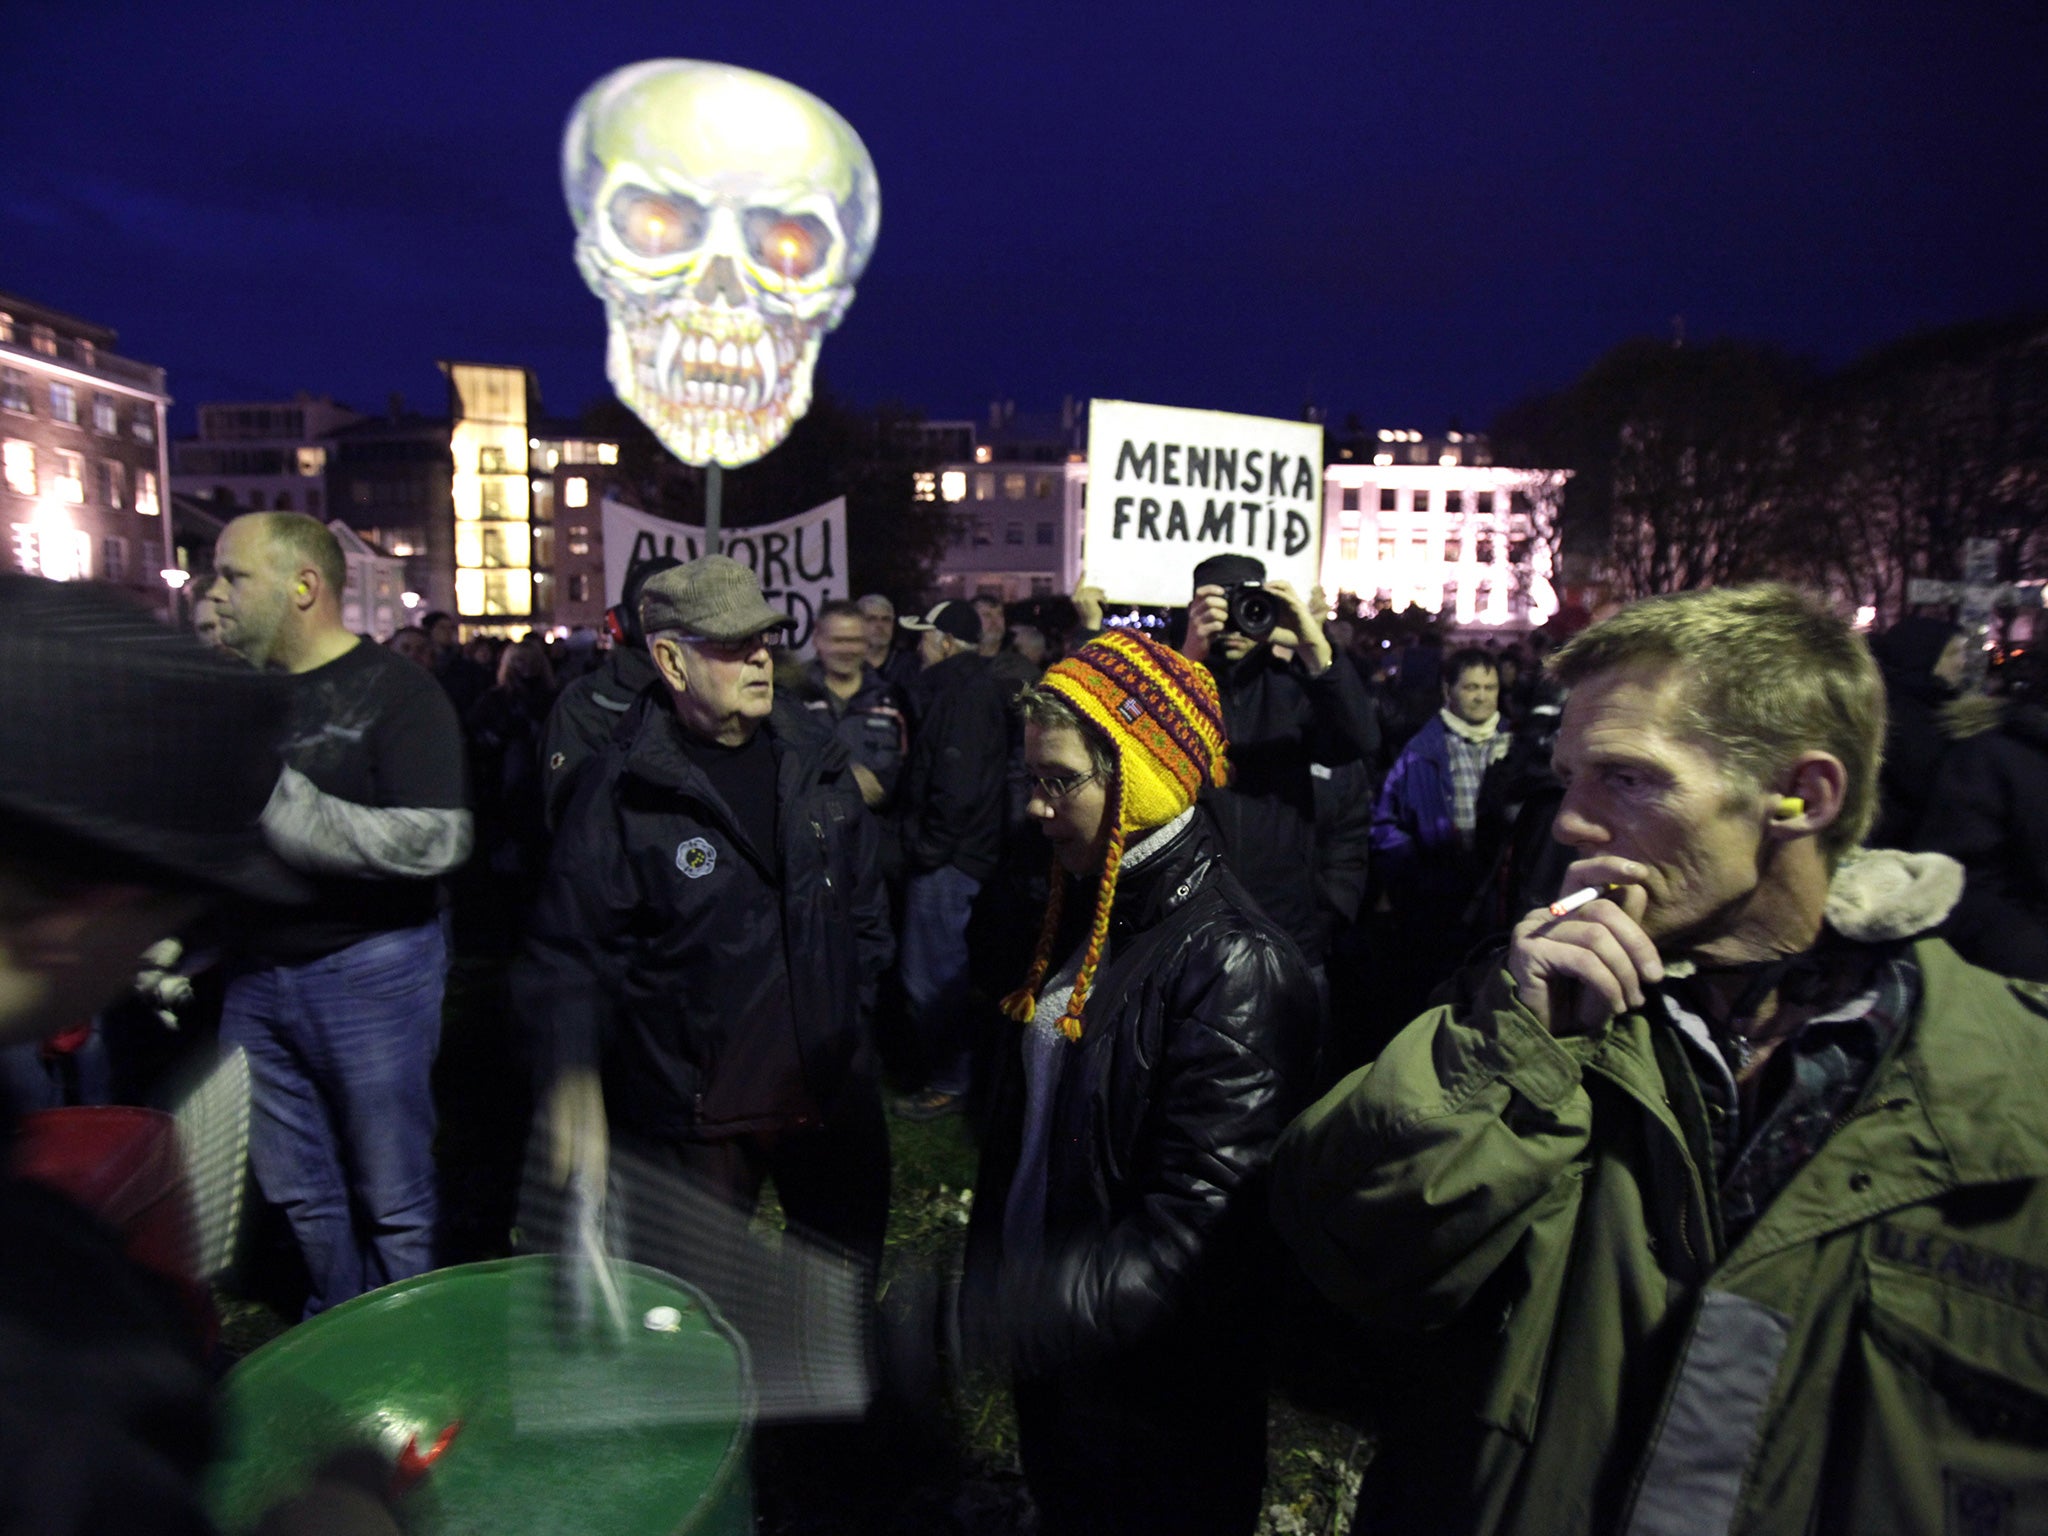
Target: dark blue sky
{"x": 1415, "y": 212}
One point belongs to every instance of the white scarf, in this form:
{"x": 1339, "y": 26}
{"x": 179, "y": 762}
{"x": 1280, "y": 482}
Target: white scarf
{"x": 1484, "y": 731}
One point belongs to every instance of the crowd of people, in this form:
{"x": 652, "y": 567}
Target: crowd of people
{"x": 1635, "y": 1048}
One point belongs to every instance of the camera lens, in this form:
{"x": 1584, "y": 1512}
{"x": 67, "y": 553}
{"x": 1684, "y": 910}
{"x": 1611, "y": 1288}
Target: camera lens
{"x": 1253, "y": 613}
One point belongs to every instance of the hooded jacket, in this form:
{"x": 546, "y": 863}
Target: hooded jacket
{"x": 690, "y": 964}
{"x": 1529, "y": 1214}
{"x": 1988, "y": 810}
{"x": 952, "y": 791}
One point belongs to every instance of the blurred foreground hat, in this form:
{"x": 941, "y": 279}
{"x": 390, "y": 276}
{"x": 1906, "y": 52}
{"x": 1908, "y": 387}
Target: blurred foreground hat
{"x": 953, "y": 618}
{"x": 1161, "y": 717}
{"x": 135, "y": 739}
{"x": 714, "y": 598}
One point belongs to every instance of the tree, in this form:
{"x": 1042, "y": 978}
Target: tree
{"x": 1921, "y": 445}
{"x": 1679, "y": 461}
{"x": 893, "y": 540}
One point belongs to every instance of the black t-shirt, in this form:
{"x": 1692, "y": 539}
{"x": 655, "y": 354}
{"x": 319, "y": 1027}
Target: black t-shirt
{"x": 745, "y": 780}
{"x": 374, "y": 729}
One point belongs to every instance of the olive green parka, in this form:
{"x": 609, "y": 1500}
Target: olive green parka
{"x": 1533, "y": 1218}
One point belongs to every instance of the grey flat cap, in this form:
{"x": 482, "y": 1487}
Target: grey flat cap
{"x": 716, "y": 598}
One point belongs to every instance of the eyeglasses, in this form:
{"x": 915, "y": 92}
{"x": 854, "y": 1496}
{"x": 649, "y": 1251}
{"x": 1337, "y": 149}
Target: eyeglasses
{"x": 727, "y": 650}
{"x": 1055, "y": 787}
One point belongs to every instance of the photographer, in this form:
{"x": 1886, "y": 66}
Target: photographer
{"x": 1290, "y": 720}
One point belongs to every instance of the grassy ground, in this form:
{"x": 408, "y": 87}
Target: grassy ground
{"x": 1314, "y": 1461}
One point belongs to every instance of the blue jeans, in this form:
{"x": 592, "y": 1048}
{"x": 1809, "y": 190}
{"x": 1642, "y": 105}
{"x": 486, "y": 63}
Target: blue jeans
{"x": 340, "y": 1053}
{"x": 936, "y": 906}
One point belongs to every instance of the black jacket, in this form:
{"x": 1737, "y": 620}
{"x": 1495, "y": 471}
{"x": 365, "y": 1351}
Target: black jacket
{"x": 1988, "y": 809}
{"x": 952, "y": 794}
{"x": 586, "y": 714}
{"x": 1193, "y": 1053}
{"x": 1280, "y": 722}
{"x": 685, "y": 961}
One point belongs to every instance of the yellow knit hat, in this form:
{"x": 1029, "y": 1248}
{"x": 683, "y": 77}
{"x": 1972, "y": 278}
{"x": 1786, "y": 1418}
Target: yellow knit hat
{"x": 1161, "y": 717}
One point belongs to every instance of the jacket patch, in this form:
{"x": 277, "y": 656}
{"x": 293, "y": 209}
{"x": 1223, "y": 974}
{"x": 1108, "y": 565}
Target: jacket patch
{"x": 1130, "y": 709}
{"x": 1974, "y": 1507}
{"x": 1961, "y": 1264}
{"x": 696, "y": 858}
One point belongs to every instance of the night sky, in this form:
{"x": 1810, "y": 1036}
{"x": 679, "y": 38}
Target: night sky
{"x": 1418, "y": 213}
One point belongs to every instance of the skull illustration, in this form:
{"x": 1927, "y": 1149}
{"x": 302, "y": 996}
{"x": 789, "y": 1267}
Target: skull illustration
{"x": 723, "y": 216}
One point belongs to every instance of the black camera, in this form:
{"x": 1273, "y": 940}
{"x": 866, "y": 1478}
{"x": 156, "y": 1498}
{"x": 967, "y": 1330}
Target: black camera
{"x": 1254, "y": 612}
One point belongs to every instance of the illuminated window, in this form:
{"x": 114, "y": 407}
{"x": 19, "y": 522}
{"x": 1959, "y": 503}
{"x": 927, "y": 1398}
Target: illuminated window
{"x": 44, "y": 340}
{"x": 579, "y": 546}
{"x": 14, "y": 391}
{"x": 953, "y": 485}
{"x": 19, "y": 459}
{"x": 312, "y": 461}
{"x": 145, "y": 424}
{"x": 1386, "y": 546}
{"x": 104, "y": 417}
{"x": 145, "y": 492}
{"x": 924, "y": 486}
{"x": 490, "y": 459}
{"x": 576, "y": 492}
{"x": 1347, "y": 547}
{"x": 543, "y": 501}
{"x": 64, "y": 403}
{"x": 491, "y": 499}
{"x": 981, "y": 456}
{"x": 607, "y": 453}
{"x": 1013, "y": 486}
{"x": 68, "y": 483}
{"x": 984, "y": 487}
{"x": 1388, "y": 502}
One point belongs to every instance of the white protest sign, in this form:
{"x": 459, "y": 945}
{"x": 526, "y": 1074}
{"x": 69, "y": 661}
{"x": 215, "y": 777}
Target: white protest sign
{"x": 800, "y": 561}
{"x": 1168, "y": 488}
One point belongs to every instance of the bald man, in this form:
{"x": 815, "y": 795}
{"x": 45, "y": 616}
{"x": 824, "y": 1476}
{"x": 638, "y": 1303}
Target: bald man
{"x": 339, "y": 1003}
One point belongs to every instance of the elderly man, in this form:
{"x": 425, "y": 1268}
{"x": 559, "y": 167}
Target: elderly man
{"x": 701, "y": 966}
{"x": 1114, "y": 1260}
{"x": 1715, "y": 1205}
{"x": 339, "y": 1004}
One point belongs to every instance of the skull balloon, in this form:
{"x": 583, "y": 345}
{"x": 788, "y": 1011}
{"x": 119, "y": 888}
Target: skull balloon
{"x": 723, "y": 216}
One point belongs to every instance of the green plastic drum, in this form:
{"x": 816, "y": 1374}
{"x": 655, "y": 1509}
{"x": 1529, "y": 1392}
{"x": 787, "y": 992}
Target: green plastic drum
{"x": 641, "y": 1435}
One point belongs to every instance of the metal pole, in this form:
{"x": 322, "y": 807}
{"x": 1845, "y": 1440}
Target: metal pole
{"x": 714, "y": 497}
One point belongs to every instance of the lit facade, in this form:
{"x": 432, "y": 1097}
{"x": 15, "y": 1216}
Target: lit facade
{"x": 1016, "y": 527}
{"x": 83, "y": 467}
{"x": 1433, "y": 523}
{"x": 488, "y": 493}
{"x": 261, "y": 456}
{"x": 373, "y": 596}
{"x": 569, "y": 475}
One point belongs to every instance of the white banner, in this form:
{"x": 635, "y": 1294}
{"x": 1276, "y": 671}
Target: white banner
{"x": 1168, "y": 488}
{"x": 800, "y": 561}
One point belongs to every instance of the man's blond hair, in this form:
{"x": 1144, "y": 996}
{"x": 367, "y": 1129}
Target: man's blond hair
{"x": 1766, "y": 672}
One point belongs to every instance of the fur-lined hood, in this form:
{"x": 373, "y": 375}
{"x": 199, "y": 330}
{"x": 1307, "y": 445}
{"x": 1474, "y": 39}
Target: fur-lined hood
{"x": 1881, "y": 894}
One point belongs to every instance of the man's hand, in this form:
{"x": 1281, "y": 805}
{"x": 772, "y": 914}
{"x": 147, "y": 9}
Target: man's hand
{"x": 1088, "y": 604}
{"x": 1577, "y": 972}
{"x": 871, "y": 792}
{"x": 1311, "y": 644}
{"x": 578, "y": 1141}
{"x": 1208, "y": 617}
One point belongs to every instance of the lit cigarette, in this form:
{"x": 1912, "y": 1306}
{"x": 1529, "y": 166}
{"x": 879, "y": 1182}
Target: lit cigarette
{"x": 1567, "y": 905}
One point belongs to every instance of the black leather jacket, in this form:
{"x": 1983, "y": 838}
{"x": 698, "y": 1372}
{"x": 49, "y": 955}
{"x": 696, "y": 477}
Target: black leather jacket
{"x": 1193, "y": 1055}
{"x": 689, "y": 964}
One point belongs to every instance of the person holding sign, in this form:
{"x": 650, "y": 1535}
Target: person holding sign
{"x": 1290, "y": 721}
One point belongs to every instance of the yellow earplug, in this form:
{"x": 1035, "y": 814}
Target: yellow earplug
{"x": 1791, "y": 805}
